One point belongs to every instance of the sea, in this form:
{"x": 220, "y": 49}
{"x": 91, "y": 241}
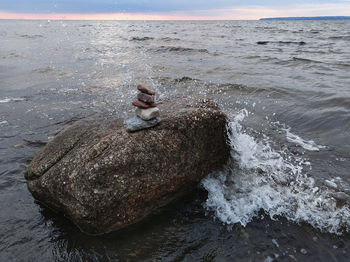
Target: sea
{"x": 284, "y": 195}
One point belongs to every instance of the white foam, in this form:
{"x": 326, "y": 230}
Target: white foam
{"x": 7, "y": 100}
{"x": 260, "y": 178}
{"x": 306, "y": 144}
{"x": 274, "y": 241}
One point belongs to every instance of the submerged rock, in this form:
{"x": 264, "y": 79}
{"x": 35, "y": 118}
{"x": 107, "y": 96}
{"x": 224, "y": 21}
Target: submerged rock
{"x": 104, "y": 178}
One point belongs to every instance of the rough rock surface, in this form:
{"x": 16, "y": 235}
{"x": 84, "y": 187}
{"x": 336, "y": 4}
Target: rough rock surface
{"x": 104, "y": 178}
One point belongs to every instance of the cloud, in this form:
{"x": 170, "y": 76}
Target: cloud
{"x": 231, "y": 13}
{"x": 139, "y": 6}
{"x": 168, "y": 10}
{"x": 256, "y": 12}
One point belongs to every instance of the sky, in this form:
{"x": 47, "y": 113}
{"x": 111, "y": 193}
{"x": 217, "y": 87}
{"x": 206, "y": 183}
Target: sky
{"x": 169, "y": 9}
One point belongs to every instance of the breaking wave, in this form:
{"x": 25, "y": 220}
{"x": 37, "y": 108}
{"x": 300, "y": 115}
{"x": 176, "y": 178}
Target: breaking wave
{"x": 11, "y": 99}
{"x": 259, "y": 178}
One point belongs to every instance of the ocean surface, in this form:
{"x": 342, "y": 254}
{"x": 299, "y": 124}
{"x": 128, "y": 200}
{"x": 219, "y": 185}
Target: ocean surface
{"x": 285, "y": 86}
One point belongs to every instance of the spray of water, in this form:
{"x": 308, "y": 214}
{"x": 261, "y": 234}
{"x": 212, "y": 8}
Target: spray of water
{"x": 261, "y": 178}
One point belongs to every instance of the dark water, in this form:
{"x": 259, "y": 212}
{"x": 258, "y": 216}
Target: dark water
{"x": 285, "y": 87}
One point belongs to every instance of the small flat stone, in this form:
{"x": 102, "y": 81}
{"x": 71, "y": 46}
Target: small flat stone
{"x": 147, "y": 114}
{"x": 149, "y": 99}
{"x": 140, "y": 104}
{"x": 145, "y": 89}
{"x": 134, "y": 123}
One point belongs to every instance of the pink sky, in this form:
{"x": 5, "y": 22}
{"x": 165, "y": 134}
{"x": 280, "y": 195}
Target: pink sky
{"x": 100, "y": 16}
{"x": 243, "y": 13}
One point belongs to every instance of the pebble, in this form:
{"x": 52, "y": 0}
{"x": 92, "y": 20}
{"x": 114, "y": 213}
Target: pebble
{"x": 134, "y": 123}
{"x": 147, "y": 114}
{"x": 149, "y": 99}
{"x": 145, "y": 89}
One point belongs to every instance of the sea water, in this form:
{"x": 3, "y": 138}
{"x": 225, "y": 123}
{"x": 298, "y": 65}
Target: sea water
{"x": 285, "y": 87}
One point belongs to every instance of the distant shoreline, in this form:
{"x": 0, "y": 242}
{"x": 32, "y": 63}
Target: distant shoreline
{"x": 309, "y": 18}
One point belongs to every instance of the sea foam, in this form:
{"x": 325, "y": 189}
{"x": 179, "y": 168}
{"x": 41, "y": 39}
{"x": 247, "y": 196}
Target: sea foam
{"x": 259, "y": 178}
{"x": 306, "y": 144}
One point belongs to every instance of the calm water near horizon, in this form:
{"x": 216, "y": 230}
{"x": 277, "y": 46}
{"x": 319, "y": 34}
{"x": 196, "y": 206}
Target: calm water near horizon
{"x": 285, "y": 86}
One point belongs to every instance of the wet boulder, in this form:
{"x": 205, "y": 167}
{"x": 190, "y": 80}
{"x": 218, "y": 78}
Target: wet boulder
{"x": 104, "y": 178}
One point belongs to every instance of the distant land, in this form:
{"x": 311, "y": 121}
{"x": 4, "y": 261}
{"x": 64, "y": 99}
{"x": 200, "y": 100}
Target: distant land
{"x": 309, "y": 18}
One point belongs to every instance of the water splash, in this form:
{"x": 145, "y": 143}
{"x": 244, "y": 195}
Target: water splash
{"x": 306, "y": 144}
{"x": 261, "y": 178}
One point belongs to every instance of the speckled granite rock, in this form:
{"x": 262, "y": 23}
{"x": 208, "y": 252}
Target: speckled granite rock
{"x": 104, "y": 178}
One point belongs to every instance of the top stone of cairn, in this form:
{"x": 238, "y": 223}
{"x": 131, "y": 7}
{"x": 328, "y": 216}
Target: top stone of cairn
{"x": 145, "y": 89}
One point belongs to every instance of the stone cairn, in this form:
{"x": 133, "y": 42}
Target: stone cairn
{"x": 147, "y": 112}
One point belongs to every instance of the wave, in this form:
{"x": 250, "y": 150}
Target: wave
{"x": 266, "y": 27}
{"x": 145, "y": 38}
{"x": 344, "y": 37}
{"x": 313, "y": 31}
{"x": 12, "y": 55}
{"x": 306, "y": 144}
{"x": 32, "y": 36}
{"x": 180, "y": 49}
{"x": 282, "y": 42}
{"x": 260, "y": 178}
{"x": 306, "y": 60}
{"x": 169, "y": 39}
{"x": 11, "y": 99}
{"x": 342, "y": 64}
{"x": 49, "y": 70}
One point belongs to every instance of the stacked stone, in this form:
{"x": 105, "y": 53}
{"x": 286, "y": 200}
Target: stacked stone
{"x": 147, "y": 112}
{"x": 146, "y": 107}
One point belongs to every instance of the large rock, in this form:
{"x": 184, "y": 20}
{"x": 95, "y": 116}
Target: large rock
{"x": 104, "y": 178}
